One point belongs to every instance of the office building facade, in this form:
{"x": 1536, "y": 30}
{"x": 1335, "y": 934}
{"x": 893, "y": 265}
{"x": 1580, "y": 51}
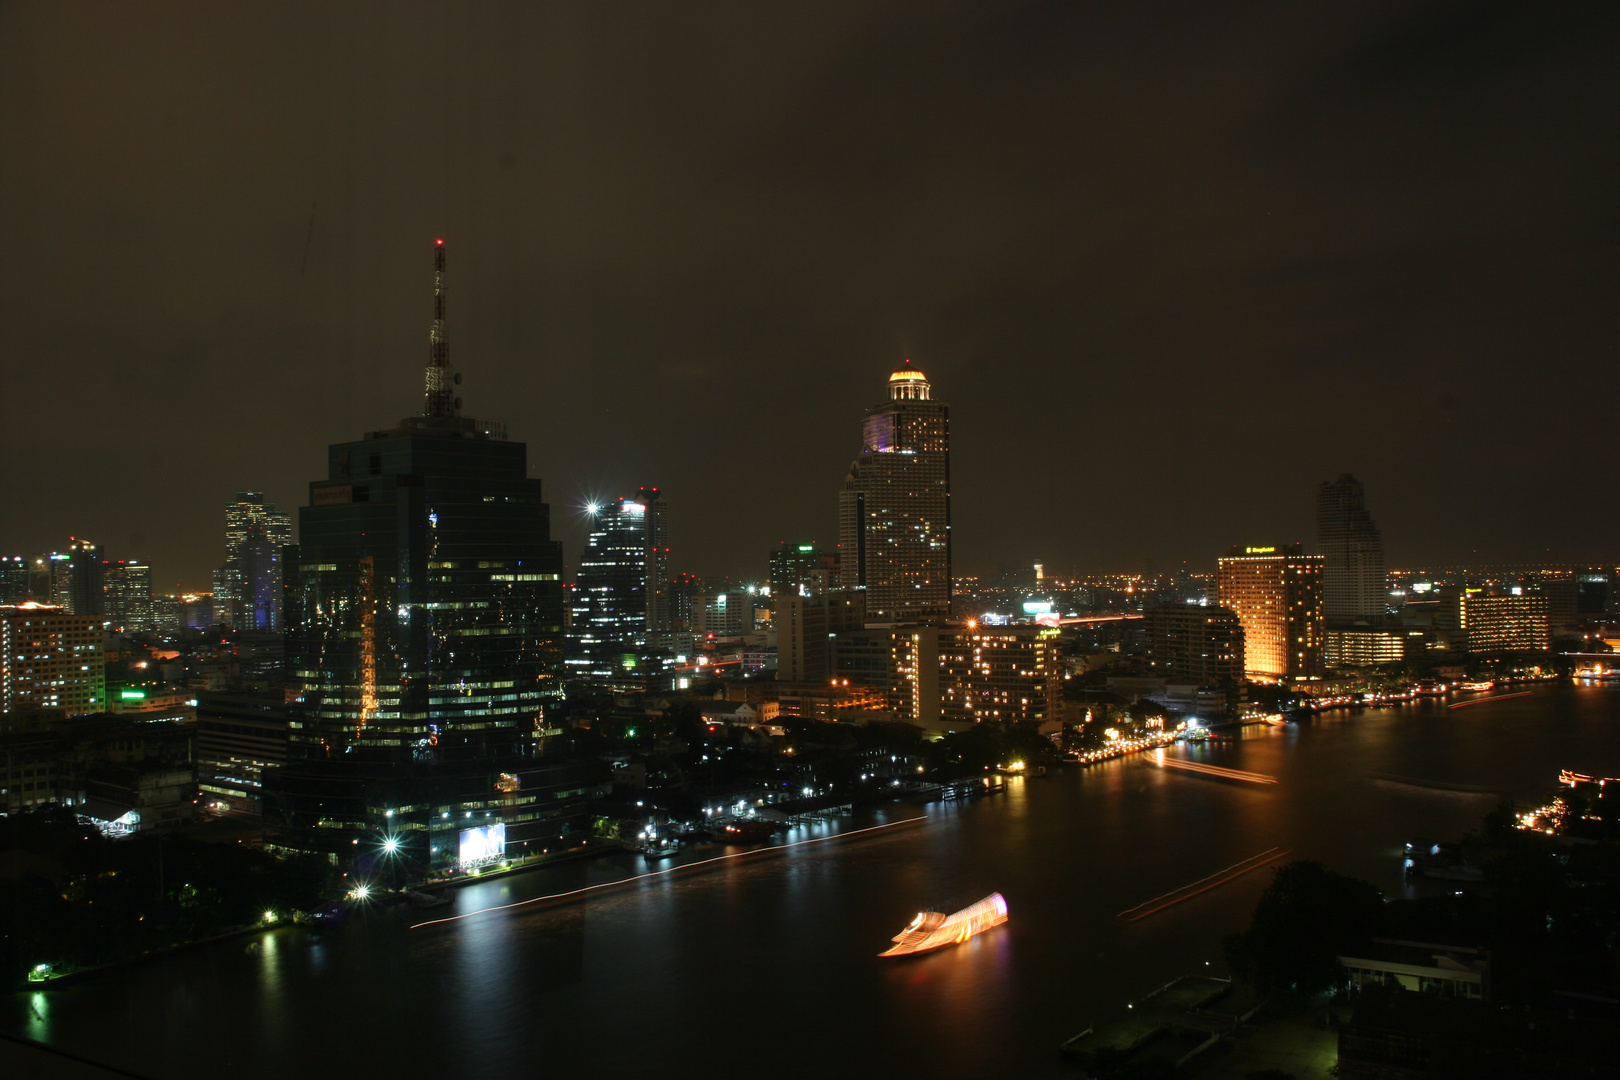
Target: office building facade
{"x": 1354, "y": 584}
{"x": 248, "y": 587}
{"x": 894, "y": 514}
{"x": 127, "y": 596}
{"x": 622, "y": 598}
{"x": 1276, "y": 592}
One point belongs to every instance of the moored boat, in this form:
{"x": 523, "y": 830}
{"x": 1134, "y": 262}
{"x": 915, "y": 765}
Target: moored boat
{"x": 744, "y": 832}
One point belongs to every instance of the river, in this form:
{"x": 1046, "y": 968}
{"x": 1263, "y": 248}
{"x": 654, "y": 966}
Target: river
{"x": 767, "y": 965}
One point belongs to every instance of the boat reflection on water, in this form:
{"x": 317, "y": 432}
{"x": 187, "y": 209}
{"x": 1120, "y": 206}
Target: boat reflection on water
{"x": 933, "y": 929}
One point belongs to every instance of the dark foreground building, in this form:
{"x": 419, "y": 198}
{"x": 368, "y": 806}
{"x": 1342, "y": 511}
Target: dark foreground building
{"x": 423, "y": 612}
{"x": 424, "y": 606}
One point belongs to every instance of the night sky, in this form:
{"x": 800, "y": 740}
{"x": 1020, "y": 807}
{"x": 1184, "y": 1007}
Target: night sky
{"x": 1171, "y": 265}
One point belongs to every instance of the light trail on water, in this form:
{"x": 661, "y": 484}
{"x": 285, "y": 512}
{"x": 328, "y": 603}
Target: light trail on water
{"x": 1218, "y": 770}
{"x": 666, "y": 871}
{"x": 1483, "y": 700}
{"x": 1202, "y": 885}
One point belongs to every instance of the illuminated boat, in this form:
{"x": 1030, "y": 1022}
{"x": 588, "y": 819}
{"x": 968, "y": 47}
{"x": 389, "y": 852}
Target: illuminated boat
{"x": 933, "y": 929}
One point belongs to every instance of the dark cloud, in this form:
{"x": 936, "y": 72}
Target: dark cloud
{"x": 1171, "y": 265}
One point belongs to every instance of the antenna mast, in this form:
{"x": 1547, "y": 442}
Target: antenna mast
{"x": 440, "y": 399}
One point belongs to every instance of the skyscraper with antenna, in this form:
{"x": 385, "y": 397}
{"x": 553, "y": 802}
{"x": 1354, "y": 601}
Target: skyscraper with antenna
{"x": 424, "y": 606}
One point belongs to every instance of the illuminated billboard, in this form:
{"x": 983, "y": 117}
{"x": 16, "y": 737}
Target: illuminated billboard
{"x": 483, "y": 844}
{"x": 1037, "y": 607}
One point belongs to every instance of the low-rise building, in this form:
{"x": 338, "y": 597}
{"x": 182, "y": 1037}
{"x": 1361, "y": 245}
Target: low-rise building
{"x": 1447, "y": 970}
{"x": 238, "y": 738}
{"x": 137, "y": 773}
{"x": 1368, "y": 646}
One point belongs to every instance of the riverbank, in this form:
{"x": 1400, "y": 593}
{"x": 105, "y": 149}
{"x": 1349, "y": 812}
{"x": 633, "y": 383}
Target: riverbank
{"x": 72, "y": 978}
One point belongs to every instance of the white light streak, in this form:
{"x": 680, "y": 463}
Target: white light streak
{"x": 663, "y": 873}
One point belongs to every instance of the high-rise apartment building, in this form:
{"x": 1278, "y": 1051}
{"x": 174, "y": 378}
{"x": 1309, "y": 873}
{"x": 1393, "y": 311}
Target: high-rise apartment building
{"x": 1277, "y": 594}
{"x": 622, "y": 597}
{"x": 424, "y": 606}
{"x": 940, "y": 677}
{"x": 50, "y": 658}
{"x": 248, "y": 586}
{"x": 894, "y": 514}
{"x": 127, "y": 593}
{"x": 683, "y": 590}
{"x": 1002, "y": 673}
{"x": 1198, "y": 644}
{"x": 1354, "y": 586}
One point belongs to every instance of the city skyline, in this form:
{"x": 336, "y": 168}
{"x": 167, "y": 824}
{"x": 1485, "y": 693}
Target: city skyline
{"x": 592, "y": 516}
{"x": 1325, "y": 245}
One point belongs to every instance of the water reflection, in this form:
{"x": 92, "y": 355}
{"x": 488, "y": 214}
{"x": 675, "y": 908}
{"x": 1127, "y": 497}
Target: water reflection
{"x": 38, "y": 1024}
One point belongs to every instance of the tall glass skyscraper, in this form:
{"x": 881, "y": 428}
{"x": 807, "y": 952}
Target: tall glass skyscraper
{"x": 894, "y": 514}
{"x": 247, "y": 588}
{"x": 74, "y": 579}
{"x": 127, "y": 592}
{"x": 1354, "y": 586}
{"x": 424, "y": 606}
{"x": 622, "y": 598}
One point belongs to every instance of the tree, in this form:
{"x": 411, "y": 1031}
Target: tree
{"x": 1304, "y": 921}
